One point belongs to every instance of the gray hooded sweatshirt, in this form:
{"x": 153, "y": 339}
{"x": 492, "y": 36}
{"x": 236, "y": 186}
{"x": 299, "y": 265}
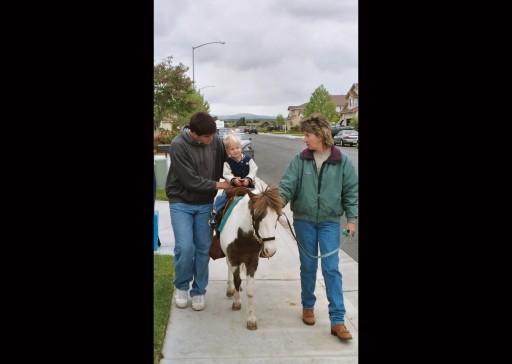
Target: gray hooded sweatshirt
{"x": 195, "y": 169}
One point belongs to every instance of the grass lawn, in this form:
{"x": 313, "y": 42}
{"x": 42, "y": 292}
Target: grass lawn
{"x": 160, "y": 194}
{"x": 163, "y": 275}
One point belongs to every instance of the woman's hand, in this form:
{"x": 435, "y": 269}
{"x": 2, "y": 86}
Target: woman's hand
{"x": 351, "y": 228}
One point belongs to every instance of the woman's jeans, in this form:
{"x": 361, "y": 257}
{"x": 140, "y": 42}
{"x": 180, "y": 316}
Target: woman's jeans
{"x": 193, "y": 237}
{"x": 327, "y": 236}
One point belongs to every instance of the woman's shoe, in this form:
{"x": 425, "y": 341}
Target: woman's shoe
{"x": 341, "y": 331}
{"x": 308, "y": 316}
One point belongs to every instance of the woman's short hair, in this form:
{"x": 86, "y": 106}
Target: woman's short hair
{"x": 320, "y": 126}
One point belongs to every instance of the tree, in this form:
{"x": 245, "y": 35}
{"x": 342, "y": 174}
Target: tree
{"x": 354, "y": 122}
{"x": 172, "y": 91}
{"x": 321, "y": 102}
{"x": 279, "y": 120}
{"x": 198, "y": 103}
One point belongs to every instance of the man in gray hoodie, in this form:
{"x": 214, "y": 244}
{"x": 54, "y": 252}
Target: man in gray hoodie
{"x": 197, "y": 158}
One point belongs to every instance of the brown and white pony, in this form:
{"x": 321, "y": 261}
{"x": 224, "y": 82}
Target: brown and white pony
{"x": 248, "y": 233}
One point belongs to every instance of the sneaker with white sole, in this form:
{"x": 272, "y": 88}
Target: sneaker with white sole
{"x": 198, "y": 302}
{"x": 181, "y": 298}
{"x": 213, "y": 219}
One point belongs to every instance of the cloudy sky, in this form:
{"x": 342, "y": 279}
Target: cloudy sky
{"x": 277, "y": 52}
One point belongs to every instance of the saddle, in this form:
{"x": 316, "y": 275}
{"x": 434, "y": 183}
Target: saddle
{"x": 232, "y": 193}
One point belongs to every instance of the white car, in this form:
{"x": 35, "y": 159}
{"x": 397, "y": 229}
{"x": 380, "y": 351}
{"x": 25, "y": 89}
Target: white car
{"x": 347, "y": 137}
{"x": 246, "y": 140}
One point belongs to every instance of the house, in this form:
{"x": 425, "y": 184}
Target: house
{"x": 346, "y": 107}
{"x": 264, "y": 124}
{"x": 351, "y": 108}
{"x": 295, "y": 114}
{"x": 167, "y": 122}
{"x": 165, "y": 125}
{"x": 339, "y": 101}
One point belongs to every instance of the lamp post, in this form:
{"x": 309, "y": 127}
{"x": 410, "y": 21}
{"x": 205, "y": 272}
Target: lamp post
{"x": 193, "y": 48}
{"x": 202, "y": 88}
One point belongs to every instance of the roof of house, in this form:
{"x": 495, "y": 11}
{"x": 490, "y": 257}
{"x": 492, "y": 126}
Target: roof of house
{"x": 348, "y": 111}
{"x": 354, "y": 90}
{"x": 339, "y": 100}
{"x": 298, "y": 107}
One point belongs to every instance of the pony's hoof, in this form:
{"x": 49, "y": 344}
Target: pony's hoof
{"x": 230, "y": 293}
{"x": 236, "y": 306}
{"x": 252, "y": 326}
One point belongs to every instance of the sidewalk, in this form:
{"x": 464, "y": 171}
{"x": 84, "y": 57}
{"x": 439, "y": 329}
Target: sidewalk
{"x": 218, "y": 334}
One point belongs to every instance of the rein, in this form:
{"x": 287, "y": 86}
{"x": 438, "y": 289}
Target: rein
{"x": 304, "y": 250}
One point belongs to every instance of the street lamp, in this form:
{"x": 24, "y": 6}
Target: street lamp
{"x": 193, "y": 48}
{"x": 203, "y": 87}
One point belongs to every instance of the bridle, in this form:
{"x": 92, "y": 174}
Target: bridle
{"x": 256, "y": 234}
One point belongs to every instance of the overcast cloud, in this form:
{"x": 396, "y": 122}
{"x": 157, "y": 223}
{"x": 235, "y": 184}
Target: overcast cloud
{"x": 277, "y": 52}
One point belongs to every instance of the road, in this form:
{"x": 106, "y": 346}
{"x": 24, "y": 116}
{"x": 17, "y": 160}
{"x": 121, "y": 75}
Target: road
{"x": 273, "y": 152}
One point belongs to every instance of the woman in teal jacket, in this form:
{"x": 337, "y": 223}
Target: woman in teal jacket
{"x": 321, "y": 185}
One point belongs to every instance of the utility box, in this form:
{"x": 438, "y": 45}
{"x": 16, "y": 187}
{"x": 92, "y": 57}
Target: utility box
{"x": 161, "y": 172}
{"x": 155, "y": 231}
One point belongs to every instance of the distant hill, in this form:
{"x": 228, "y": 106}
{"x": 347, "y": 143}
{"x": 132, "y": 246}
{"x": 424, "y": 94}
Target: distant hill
{"x": 244, "y": 115}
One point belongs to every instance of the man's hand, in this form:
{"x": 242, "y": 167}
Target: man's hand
{"x": 222, "y": 185}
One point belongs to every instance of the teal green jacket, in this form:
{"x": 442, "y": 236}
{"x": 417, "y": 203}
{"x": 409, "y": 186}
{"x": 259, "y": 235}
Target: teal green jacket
{"x": 321, "y": 197}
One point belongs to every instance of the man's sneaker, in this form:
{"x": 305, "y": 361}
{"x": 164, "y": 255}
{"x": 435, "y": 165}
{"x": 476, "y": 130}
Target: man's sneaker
{"x": 180, "y": 298}
{"x": 213, "y": 219}
{"x": 198, "y": 302}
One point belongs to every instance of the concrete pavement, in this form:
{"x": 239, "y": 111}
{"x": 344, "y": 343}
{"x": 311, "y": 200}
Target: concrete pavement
{"x": 218, "y": 334}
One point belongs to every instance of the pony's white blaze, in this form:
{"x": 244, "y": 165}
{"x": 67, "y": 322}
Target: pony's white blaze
{"x": 266, "y": 229}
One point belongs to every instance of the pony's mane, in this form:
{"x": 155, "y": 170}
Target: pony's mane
{"x": 267, "y": 199}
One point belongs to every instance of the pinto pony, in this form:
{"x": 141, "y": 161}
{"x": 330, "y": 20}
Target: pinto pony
{"x": 249, "y": 233}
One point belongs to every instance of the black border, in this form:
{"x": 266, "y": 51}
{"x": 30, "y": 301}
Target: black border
{"x": 397, "y": 198}
{"x": 90, "y": 179}
{"x": 420, "y": 203}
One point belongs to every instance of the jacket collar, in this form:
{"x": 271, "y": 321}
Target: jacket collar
{"x": 335, "y": 156}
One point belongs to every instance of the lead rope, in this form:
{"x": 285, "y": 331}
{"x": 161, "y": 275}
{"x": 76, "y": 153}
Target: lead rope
{"x": 304, "y": 250}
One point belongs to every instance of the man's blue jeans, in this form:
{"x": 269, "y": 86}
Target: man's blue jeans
{"x": 327, "y": 236}
{"x": 193, "y": 237}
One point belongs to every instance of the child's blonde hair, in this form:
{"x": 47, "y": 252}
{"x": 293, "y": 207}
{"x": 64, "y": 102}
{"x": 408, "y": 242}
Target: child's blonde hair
{"x": 231, "y": 138}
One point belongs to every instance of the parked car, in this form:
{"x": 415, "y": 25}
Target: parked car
{"x": 245, "y": 139}
{"x": 336, "y": 129}
{"x": 251, "y": 130}
{"x": 347, "y": 137}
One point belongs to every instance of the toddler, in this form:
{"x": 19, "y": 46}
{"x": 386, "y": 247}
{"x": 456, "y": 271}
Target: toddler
{"x": 239, "y": 170}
